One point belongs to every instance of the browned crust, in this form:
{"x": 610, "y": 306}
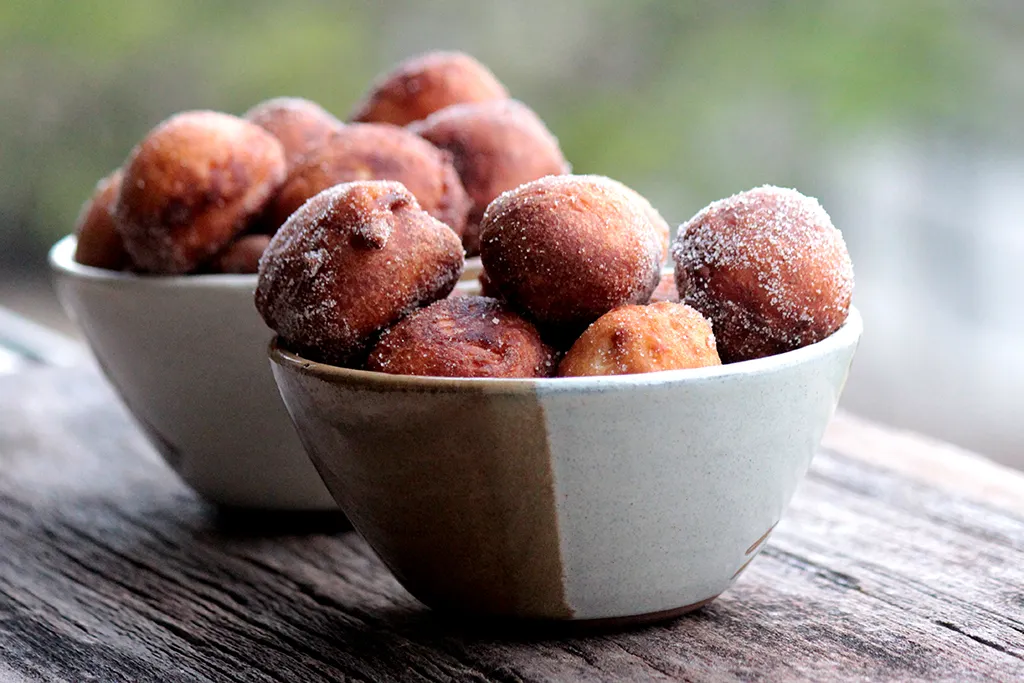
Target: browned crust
{"x": 378, "y": 152}
{"x": 568, "y": 249}
{"x": 299, "y": 124}
{"x": 497, "y": 146}
{"x": 636, "y": 339}
{"x": 99, "y": 243}
{"x": 653, "y": 215}
{"x": 352, "y": 261}
{"x": 470, "y": 336}
{"x": 192, "y": 185}
{"x": 424, "y": 84}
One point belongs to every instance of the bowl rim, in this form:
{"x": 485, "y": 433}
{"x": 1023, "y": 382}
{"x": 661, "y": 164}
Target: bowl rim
{"x": 61, "y": 258}
{"x": 845, "y": 337}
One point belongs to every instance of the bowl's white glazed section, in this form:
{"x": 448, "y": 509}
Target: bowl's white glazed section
{"x": 188, "y": 356}
{"x": 572, "y": 498}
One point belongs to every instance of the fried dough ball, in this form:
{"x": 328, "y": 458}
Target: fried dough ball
{"x": 666, "y": 289}
{"x": 660, "y": 224}
{"x": 421, "y": 85}
{"x": 635, "y": 339}
{"x": 193, "y": 184}
{"x": 469, "y": 336}
{"x": 497, "y": 146}
{"x": 99, "y": 243}
{"x": 373, "y": 151}
{"x": 568, "y": 249}
{"x": 352, "y": 261}
{"x": 300, "y": 125}
{"x": 768, "y": 269}
{"x": 241, "y": 256}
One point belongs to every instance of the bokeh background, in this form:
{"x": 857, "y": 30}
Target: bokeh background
{"x": 905, "y": 117}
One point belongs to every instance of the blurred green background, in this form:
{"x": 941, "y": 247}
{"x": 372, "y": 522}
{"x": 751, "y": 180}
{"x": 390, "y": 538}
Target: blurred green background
{"x": 903, "y": 117}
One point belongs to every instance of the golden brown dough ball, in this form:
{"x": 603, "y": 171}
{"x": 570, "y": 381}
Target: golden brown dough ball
{"x": 241, "y": 256}
{"x": 769, "y": 270}
{"x": 568, "y": 249}
{"x": 371, "y": 151}
{"x": 352, "y": 261}
{"x": 99, "y": 243}
{"x": 300, "y": 125}
{"x": 635, "y": 339}
{"x": 497, "y": 146}
{"x": 469, "y": 336}
{"x": 193, "y": 184}
{"x": 424, "y": 84}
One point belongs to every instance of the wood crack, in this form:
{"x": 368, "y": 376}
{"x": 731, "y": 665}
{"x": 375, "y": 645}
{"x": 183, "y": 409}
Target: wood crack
{"x": 976, "y": 638}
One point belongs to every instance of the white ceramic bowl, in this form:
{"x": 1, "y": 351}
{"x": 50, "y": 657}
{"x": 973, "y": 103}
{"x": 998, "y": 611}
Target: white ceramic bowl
{"x": 188, "y": 356}
{"x": 625, "y": 498}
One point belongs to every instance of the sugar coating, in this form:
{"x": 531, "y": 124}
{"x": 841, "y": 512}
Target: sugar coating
{"x": 353, "y": 260}
{"x": 637, "y": 339}
{"x": 659, "y": 223}
{"x": 468, "y": 336}
{"x": 567, "y": 249}
{"x": 193, "y": 184}
{"x": 427, "y": 83}
{"x": 769, "y": 270}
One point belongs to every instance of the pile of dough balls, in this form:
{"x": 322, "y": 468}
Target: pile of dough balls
{"x": 573, "y": 282}
{"x": 205, "y": 191}
{"x": 359, "y": 233}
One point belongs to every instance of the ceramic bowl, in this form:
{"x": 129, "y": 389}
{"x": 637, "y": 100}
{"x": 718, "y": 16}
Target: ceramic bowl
{"x": 188, "y": 355}
{"x": 622, "y": 498}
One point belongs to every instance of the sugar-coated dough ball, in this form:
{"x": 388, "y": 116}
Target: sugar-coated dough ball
{"x": 568, "y": 249}
{"x": 99, "y": 243}
{"x": 424, "y": 84}
{"x": 768, "y": 269}
{"x": 468, "y": 336}
{"x": 635, "y": 339}
{"x": 497, "y": 146}
{"x": 300, "y": 125}
{"x": 241, "y": 256}
{"x": 351, "y": 262}
{"x": 193, "y": 184}
{"x": 371, "y": 151}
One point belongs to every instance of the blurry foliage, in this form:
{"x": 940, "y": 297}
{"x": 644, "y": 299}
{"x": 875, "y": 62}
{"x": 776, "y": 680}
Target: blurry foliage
{"x": 687, "y": 101}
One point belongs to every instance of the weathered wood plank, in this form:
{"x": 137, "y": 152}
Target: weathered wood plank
{"x": 111, "y": 570}
{"x": 922, "y": 459}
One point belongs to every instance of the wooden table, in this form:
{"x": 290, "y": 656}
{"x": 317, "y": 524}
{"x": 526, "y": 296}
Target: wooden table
{"x": 899, "y": 559}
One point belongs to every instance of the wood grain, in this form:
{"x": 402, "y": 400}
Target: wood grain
{"x": 111, "y": 570}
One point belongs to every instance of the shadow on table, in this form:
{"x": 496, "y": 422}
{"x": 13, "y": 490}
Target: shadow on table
{"x": 234, "y": 522}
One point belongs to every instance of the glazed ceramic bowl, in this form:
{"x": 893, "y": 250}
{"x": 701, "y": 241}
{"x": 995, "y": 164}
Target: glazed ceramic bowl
{"x": 188, "y": 355}
{"x": 625, "y": 498}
